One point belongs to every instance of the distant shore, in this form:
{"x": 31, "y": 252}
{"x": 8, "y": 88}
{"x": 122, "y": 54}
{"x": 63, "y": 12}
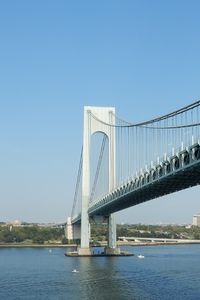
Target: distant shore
{"x": 15, "y": 245}
{"x": 100, "y": 244}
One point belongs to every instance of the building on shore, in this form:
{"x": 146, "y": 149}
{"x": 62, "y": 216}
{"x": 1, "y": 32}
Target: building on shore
{"x": 15, "y": 223}
{"x": 196, "y": 220}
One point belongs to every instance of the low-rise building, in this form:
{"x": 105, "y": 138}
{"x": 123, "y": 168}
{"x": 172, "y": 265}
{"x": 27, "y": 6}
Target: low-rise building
{"x": 15, "y": 223}
{"x": 196, "y": 220}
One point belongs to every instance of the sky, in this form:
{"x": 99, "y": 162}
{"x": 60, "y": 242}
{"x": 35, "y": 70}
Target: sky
{"x": 57, "y": 56}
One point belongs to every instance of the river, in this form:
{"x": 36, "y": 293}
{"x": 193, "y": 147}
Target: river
{"x": 166, "y": 272}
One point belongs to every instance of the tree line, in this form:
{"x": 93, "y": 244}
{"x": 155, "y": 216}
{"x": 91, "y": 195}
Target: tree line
{"x": 35, "y": 234}
{"x": 31, "y": 234}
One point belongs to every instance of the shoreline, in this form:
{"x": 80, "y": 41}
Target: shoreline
{"x": 122, "y": 243}
{"x": 36, "y": 245}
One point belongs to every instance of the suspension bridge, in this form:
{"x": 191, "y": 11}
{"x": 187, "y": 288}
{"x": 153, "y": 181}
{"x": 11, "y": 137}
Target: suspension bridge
{"x": 136, "y": 162}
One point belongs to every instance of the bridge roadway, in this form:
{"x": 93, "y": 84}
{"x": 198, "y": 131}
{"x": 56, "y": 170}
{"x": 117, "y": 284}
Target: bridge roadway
{"x": 173, "y": 174}
{"x": 156, "y": 240}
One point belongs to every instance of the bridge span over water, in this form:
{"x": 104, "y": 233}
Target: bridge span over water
{"x": 135, "y": 163}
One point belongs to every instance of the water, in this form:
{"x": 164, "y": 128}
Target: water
{"x": 166, "y": 272}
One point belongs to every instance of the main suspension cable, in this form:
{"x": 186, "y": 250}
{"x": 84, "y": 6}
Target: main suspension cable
{"x": 167, "y": 116}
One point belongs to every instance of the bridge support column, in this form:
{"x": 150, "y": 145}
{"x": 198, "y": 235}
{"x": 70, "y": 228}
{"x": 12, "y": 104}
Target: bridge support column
{"x": 72, "y": 231}
{"x": 112, "y": 240}
{"x": 69, "y": 230}
{"x": 111, "y": 231}
{"x": 85, "y": 230}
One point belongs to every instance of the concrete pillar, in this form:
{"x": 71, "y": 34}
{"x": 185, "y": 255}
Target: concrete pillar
{"x": 112, "y": 232}
{"x": 112, "y": 243}
{"x": 69, "y": 230}
{"x": 72, "y": 231}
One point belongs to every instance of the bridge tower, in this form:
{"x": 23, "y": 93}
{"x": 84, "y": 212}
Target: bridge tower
{"x": 91, "y": 126}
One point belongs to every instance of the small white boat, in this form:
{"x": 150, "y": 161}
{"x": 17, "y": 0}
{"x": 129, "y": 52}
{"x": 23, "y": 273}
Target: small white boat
{"x": 140, "y": 256}
{"x": 75, "y": 271}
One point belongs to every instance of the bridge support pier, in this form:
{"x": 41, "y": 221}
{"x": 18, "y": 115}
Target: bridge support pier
{"x": 84, "y": 251}
{"x": 72, "y": 231}
{"x": 112, "y": 240}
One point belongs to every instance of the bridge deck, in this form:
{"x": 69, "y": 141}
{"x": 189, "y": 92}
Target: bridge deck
{"x": 177, "y": 173}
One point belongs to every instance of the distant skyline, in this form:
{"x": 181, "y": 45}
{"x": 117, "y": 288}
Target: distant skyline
{"x": 141, "y": 57}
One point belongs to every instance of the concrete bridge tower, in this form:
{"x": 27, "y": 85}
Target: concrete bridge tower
{"x": 91, "y": 126}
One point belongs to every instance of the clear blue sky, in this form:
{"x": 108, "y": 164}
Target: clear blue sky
{"x": 143, "y": 57}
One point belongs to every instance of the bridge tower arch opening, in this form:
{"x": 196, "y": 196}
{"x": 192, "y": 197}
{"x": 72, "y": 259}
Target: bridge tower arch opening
{"x": 99, "y": 166}
{"x": 92, "y": 126}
